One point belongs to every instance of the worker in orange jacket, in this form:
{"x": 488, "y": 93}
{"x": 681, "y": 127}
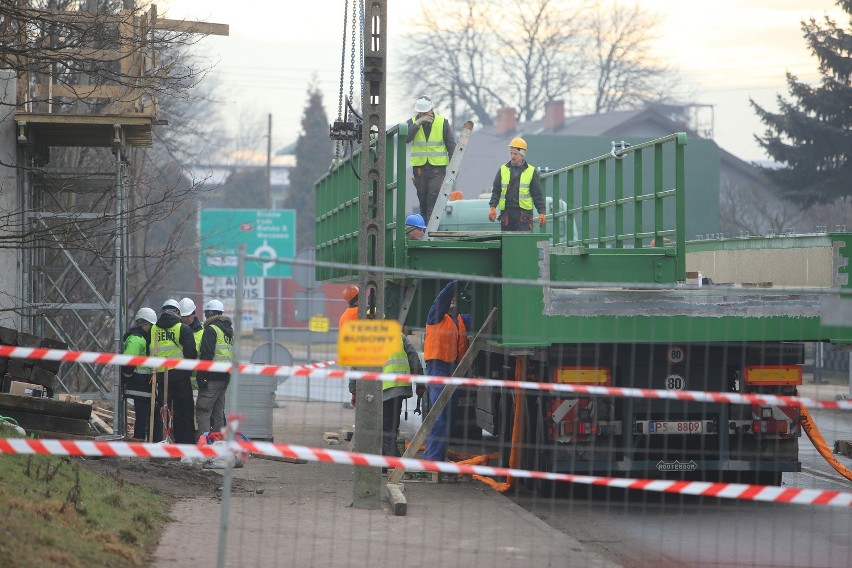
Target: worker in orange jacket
{"x": 446, "y": 344}
{"x": 350, "y": 295}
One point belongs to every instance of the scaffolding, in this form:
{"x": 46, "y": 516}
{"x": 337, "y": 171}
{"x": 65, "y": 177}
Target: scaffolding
{"x": 76, "y": 216}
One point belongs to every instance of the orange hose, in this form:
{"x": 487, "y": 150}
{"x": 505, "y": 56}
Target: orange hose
{"x": 818, "y": 441}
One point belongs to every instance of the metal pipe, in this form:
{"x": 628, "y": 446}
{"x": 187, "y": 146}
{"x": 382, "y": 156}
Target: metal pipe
{"x": 233, "y": 388}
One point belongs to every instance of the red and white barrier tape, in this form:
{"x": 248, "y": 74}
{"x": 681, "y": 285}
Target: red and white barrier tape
{"x": 769, "y": 494}
{"x": 317, "y": 365}
{"x": 306, "y": 371}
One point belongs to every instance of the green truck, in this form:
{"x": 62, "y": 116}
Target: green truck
{"x": 612, "y": 294}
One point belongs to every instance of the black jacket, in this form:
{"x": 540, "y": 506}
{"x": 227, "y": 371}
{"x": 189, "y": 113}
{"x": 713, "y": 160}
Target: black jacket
{"x": 208, "y": 344}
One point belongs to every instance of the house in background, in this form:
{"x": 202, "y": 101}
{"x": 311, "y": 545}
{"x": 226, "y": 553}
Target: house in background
{"x": 558, "y": 141}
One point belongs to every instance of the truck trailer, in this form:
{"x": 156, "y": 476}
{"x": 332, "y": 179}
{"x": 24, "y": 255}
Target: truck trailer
{"x": 611, "y": 293}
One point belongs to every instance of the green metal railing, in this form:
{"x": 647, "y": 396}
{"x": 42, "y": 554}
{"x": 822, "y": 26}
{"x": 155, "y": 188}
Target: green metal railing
{"x": 338, "y": 209}
{"x": 638, "y": 211}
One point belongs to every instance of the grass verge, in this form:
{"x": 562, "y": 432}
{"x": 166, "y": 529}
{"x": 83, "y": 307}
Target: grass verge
{"x": 56, "y": 512}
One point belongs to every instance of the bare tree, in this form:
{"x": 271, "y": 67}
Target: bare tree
{"x": 753, "y": 210}
{"x": 626, "y": 74}
{"x": 541, "y": 55}
{"x": 449, "y": 57}
{"x": 478, "y": 55}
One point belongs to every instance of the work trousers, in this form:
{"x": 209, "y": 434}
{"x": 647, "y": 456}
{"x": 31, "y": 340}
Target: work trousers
{"x": 142, "y": 408}
{"x": 516, "y": 219}
{"x": 428, "y": 181}
{"x": 182, "y": 406}
{"x": 210, "y": 405}
{"x": 439, "y": 436}
{"x": 391, "y": 410}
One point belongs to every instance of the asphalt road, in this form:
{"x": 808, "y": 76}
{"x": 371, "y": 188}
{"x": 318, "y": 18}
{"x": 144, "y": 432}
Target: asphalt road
{"x": 637, "y": 529}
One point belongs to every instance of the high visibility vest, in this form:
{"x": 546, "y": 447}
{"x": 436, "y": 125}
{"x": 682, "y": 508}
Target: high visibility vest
{"x": 197, "y": 335}
{"x": 136, "y": 345}
{"x": 432, "y": 150}
{"x": 166, "y": 342}
{"x": 224, "y": 349}
{"x": 446, "y": 340}
{"x": 398, "y": 363}
{"x": 524, "y": 199}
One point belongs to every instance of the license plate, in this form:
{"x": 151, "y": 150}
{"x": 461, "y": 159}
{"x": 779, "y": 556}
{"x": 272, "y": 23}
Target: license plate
{"x": 676, "y": 427}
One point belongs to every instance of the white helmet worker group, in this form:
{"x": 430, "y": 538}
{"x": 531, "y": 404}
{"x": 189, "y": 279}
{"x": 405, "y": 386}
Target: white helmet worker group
{"x": 186, "y": 307}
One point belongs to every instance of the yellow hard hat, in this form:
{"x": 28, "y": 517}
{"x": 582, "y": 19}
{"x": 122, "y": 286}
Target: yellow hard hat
{"x": 518, "y": 143}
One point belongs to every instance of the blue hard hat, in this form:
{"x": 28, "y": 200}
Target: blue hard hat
{"x": 415, "y": 220}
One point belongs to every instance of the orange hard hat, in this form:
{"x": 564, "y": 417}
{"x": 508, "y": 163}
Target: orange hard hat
{"x": 350, "y": 293}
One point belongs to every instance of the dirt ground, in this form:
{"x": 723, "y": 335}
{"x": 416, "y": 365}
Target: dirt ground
{"x": 169, "y": 477}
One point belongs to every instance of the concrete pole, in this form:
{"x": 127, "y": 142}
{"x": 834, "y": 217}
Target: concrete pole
{"x": 371, "y": 249}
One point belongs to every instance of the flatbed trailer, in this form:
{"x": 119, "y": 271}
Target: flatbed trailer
{"x": 618, "y": 300}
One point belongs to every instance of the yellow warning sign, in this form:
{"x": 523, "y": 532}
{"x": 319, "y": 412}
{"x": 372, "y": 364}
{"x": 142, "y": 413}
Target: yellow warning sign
{"x": 367, "y": 343}
{"x": 318, "y": 324}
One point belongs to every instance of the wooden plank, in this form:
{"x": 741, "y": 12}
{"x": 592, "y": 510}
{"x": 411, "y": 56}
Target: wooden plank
{"x": 115, "y": 92}
{"x": 45, "y": 406}
{"x": 28, "y": 420}
{"x": 51, "y": 435}
{"x": 88, "y": 119}
{"x": 396, "y": 498}
{"x": 186, "y": 26}
{"x": 444, "y": 398}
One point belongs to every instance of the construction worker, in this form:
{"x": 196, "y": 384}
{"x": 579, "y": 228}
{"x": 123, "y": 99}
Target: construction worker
{"x": 446, "y": 343}
{"x": 516, "y": 189}
{"x": 350, "y": 295}
{"x": 415, "y": 227}
{"x": 137, "y": 380}
{"x": 432, "y": 145}
{"x": 172, "y": 338}
{"x": 406, "y": 361}
{"x": 216, "y": 345}
{"x": 187, "y": 316}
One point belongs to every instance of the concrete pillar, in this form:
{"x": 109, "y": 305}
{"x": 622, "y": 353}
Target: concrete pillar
{"x": 10, "y": 207}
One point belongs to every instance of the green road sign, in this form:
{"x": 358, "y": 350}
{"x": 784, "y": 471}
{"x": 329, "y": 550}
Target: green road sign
{"x": 264, "y": 233}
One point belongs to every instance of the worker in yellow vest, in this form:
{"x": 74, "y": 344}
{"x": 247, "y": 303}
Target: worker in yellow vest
{"x": 406, "y": 361}
{"x": 172, "y": 338}
{"x": 216, "y": 345}
{"x": 432, "y": 145}
{"x": 515, "y": 191}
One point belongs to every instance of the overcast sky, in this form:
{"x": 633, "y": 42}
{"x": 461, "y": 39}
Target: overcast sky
{"x": 726, "y": 51}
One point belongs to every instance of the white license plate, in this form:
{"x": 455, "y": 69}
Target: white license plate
{"x": 676, "y": 427}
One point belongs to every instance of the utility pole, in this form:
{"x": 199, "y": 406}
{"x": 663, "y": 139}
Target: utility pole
{"x": 269, "y": 163}
{"x": 371, "y": 248}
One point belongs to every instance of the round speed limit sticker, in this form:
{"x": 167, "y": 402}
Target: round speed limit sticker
{"x": 675, "y": 355}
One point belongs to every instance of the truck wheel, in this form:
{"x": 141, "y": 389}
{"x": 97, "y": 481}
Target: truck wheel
{"x": 544, "y": 487}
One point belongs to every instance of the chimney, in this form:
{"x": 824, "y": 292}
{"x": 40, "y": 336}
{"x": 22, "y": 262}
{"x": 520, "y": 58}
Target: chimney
{"x": 505, "y": 120}
{"x": 554, "y": 115}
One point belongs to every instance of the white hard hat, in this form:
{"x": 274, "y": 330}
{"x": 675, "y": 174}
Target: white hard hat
{"x": 214, "y": 306}
{"x": 187, "y": 307}
{"x": 146, "y": 314}
{"x": 171, "y": 304}
{"x": 423, "y": 104}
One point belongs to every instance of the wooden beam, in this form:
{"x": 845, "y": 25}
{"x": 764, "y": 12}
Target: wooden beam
{"x": 190, "y": 27}
{"x": 115, "y": 92}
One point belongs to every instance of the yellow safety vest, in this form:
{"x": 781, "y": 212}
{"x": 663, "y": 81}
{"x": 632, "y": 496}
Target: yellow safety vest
{"x": 398, "y": 363}
{"x": 224, "y": 350}
{"x": 432, "y": 150}
{"x": 166, "y": 342}
{"x": 524, "y": 199}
